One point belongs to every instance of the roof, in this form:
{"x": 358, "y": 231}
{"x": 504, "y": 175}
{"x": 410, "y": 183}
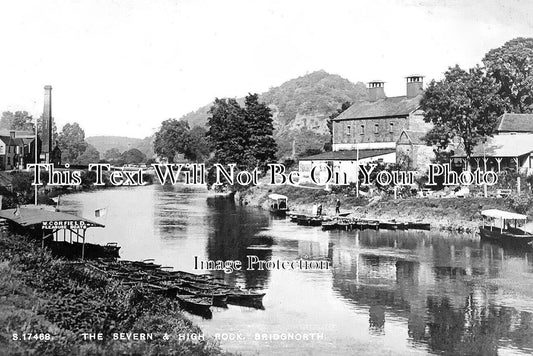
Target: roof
{"x": 277, "y": 196}
{"x": 500, "y": 214}
{"x": 12, "y": 141}
{"x": 347, "y": 155}
{"x": 6, "y": 179}
{"x": 502, "y": 146}
{"x": 414, "y": 137}
{"x": 18, "y": 133}
{"x": 386, "y": 107}
{"x": 515, "y": 123}
{"x": 26, "y": 217}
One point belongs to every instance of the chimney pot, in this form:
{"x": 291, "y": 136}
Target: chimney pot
{"x": 415, "y": 85}
{"x": 376, "y": 90}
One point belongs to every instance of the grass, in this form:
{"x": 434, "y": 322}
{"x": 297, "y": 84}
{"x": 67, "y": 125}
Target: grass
{"x": 41, "y": 294}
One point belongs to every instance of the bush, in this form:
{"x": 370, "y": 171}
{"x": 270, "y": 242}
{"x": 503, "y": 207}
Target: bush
{"x": 520, "y": 203}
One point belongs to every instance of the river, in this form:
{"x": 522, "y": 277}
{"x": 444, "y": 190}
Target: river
{"x": 393, "y": 292}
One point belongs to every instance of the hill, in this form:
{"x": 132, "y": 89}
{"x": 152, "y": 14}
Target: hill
{"x": 104, "y": 143}
{"x": 300, "y": 108}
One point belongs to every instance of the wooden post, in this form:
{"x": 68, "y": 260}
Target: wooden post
{"x": 499, "y": 161}
{"x": 42, "y": 240}
{"x": 83, "y": 246}
{"x": 518, "y": 185}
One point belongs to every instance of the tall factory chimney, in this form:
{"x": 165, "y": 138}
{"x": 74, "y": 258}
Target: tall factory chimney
{"x": 46, "y": 139}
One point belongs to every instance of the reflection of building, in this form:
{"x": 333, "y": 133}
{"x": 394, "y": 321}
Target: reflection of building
{"x": 511, "y": 148}
{"x": 377, "y": 127}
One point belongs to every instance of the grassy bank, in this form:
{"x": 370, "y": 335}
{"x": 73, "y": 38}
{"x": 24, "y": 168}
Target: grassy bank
{"x": 460, "y": 214}
{"x": 41, "y": 294}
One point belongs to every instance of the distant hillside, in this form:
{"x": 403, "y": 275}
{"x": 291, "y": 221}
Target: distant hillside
{"x": 104, "y": 143}
{"x": 300, "y": 108}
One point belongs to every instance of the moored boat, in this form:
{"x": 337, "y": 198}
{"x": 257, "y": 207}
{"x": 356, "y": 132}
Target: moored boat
{"x": 499, "y": 228}
{"x": 278, "y": 204}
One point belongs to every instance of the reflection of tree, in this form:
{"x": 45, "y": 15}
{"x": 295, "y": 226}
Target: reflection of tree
{"x": 232, "y": 230}
{"x": 442, "y": 309}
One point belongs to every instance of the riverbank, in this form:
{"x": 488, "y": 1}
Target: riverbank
{"x": 56, "y": 301}
{"x": 454, "y": 214}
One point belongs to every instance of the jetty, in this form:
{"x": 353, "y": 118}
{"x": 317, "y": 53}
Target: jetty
{"x": 63, "y": 233}
{"x": 344, "y": 222}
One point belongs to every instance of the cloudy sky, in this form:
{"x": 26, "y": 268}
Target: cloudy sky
{"x": 120, "y": 67}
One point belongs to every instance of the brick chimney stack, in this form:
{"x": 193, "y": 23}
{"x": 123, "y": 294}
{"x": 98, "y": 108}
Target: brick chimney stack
{"x": 46, "y": 146}
{"x": 376, "y": 90}
{"x": 415, "y": 85}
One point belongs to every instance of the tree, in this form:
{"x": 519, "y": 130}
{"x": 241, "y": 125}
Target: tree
{"x": 19, "y": 120}
{"x": 90, "y": 155}
{"x": 133, "y": 156}
{"x": 112, "y": 154}
{"x": 465, "y": 104}
{"x": 511, "y": 65}
{"x": 261, "y": 147}
{"x": 72, "y": 142}
{"x": 172, "y": 138}
{"x": 198, "y": 147}
{"x": 329, "y": 146}
{"x": 227, "y": 132}
{"x": 242, "y": 135}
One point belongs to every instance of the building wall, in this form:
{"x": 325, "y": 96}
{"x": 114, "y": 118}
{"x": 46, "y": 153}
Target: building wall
{"x": 420, "y": 156}
{"x": 347, "y": 133}
{"x": 377, "y": 132}
{"x": 341, "y": 167}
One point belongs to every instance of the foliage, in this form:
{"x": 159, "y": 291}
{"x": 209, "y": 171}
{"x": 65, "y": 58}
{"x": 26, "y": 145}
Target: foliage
{"x": 511, "y": 65}
{"x": 90, "y": 155}
{"x": 63, "y": 299}
{"x": 465, "y": 104}
{"x": 133, "y": 156}
{"x": 261, "y": 148}
{"x": 19, "y": 120}
{"x": 198, "y": 147}
{"x": 175, "y": 137}
{"x": 112, "y": 154}
{"x": 72, "y": 142}
{"x": 521, "y": 203}
{"x": 303, "y": 140}
{"x": 241, "y": 135}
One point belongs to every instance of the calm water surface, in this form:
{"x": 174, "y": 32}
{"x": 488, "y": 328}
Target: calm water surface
{"x": 386, "y": 293}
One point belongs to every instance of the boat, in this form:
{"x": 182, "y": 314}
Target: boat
{"x": 330, "y": 225}
{"x": 278, "y": 204}
{"x": 499, "y": 229}
{"x": 309, "y": 220}
{"x": 196, "y": 305}
{"x": 246, "y": 298}
{"x": 418, "y": 225}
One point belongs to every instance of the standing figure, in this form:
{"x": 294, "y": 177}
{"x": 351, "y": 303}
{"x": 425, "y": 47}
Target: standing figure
{"x": 338, "y": 207}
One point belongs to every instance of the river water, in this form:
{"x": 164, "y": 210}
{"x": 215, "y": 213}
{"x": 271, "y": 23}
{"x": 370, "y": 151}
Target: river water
{"x": 386, "y": 293}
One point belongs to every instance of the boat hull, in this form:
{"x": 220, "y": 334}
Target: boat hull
{"x": 505, "y": 237}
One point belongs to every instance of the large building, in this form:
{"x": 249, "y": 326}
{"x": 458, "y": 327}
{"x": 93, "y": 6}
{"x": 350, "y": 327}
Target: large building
{"x": 381, "y": 128}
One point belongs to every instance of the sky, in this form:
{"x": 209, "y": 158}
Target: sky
{"x": 121, "y": 67}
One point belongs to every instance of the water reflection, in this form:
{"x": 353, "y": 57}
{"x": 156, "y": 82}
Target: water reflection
{"x": 440, "y": 286}
{"x": 387, "y": 292}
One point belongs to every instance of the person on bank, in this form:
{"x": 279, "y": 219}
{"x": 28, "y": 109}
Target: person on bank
{"x": 338, "y": 207}
{"x": 319, "y": 210}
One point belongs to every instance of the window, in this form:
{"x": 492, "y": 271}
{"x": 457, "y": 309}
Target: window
{"x": 391, "y": 127}
{"x": 348, "y": 130}
{"x": 8, "y": 161}
{"x": 362, "y": 129}
{"x": 376, "y": 128}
